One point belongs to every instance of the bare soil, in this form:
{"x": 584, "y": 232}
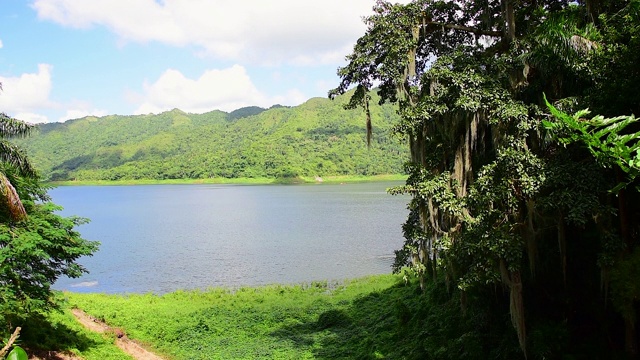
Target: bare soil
{"x": 50, "y": 355}
{"x": 122, "y": 341}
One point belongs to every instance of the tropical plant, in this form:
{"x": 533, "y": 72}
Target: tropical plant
{"x": 612, "y": 145}
{"x": 16, "y": 158}
{"x": 494, "y": 198}
{"x": 36, "y": 245}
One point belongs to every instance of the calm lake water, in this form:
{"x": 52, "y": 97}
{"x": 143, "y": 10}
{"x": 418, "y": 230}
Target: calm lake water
{"x": 160, "y": 238}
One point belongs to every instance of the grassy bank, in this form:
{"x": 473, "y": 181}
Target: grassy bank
{"x": 377, "y": 317}
{"x": 240, "y": 181}
{"x": 272, "y": 322}
{"x": 59, "y": 331}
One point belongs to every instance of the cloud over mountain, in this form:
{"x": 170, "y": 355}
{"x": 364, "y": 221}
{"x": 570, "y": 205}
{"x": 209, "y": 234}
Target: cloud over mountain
{"x": 268, "y": 32}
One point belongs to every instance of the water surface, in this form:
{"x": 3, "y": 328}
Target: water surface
{"x": 160, "y": 238}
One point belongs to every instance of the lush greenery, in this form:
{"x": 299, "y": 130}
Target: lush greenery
{"x": 36, "y": 245}
{"x": 60, "y": 332}
{"x": 335, "y": 179}
{"x": 317, "y": 138}
{"x": 379, "y": 317}
{"x": 517, "y": 214}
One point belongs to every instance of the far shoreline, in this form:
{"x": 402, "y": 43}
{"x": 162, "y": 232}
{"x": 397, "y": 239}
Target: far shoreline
{"x": 338, "y": 179}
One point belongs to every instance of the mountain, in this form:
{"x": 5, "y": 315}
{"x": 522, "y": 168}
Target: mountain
{"x": 317, "y": 138}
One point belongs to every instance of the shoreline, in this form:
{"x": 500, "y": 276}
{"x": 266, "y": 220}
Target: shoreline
{"x": 337, "y": 179}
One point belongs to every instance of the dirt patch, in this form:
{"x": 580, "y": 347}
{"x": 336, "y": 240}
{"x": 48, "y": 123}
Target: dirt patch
{"x": 50, "y": 355}
{"x": 122, "y": 341}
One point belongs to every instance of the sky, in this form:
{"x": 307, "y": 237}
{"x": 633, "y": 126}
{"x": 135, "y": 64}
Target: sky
{"x": 66, "y": 59}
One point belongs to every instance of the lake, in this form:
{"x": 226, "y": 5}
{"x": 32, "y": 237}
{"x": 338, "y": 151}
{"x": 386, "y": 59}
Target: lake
{"x": 160, "y": 238}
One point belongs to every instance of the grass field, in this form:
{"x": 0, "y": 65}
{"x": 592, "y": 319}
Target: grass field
{"x": 376, "y": 317}
{"x": 273, "y": 322}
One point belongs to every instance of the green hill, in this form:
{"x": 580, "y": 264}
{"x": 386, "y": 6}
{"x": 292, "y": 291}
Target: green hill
{"x": 317, "y": 138}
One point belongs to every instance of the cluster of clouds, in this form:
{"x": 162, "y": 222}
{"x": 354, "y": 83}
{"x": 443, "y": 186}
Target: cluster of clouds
{"x": 27, "y": 96}
{"x": 268, "y": 34}
{"x": 226, "y": 89}
{"x": 257, "y": 31}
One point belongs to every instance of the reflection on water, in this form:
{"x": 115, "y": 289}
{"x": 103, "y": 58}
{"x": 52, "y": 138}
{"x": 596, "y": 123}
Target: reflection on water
{"x": 160, "y": 238}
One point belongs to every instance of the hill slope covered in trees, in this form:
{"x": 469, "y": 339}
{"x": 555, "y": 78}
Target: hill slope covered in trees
{"x": 317, "y": 138}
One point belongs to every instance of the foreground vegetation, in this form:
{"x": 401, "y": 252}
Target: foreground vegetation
{"x": 378, "y": 317}
{"x": 37, "y": 245}
{"x": 508, "y": 190}
{"x": 59, "y": 331}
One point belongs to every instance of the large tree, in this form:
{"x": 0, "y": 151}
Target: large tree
{"x": 495, "y": 199}
{"x": 37, "y": 246}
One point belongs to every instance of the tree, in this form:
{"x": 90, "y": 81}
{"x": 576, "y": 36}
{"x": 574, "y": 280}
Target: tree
{"x": 494, "y": 199}
{"x": 14, "y": 157}
{"x": 37, "y": 245}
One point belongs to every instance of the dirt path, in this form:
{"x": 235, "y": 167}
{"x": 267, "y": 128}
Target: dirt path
{"x": 50, "y": 355}
{"x": 123, "y": 342}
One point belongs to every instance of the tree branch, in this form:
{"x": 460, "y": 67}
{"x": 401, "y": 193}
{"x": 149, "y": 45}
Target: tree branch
{"x": 12, "y": 339}
{"x": 464, "y": 28}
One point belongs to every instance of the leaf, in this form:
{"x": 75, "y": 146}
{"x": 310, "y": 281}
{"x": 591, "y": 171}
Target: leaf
{"x": 18, "y": 353}
{"x": 618, "y": 187}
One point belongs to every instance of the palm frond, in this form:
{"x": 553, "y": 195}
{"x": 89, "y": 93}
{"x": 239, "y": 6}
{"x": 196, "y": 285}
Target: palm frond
{"x": 11, "y": 199}
{"x": 10, "y": 127}
{"x": 14, "y": 156}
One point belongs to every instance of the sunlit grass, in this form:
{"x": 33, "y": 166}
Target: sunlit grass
{"x": 59, "y": 331}
{"x": 271, "y": 322}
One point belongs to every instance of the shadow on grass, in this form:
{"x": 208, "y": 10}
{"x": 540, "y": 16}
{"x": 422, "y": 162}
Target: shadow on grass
{"x": 402, "y": 322}
{"x": 43, "y": 335}
{"x": 370, "y": 327}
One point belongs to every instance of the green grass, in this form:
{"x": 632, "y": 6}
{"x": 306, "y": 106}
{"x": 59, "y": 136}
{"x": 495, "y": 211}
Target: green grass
{"x": 59, "y": 331}
{"x": 315, "y": 321}
{"x": 376, "y": 317}
{"x": 239, "y": 181}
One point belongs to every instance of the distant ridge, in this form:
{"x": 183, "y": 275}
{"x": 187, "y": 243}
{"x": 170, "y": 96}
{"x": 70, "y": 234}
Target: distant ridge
{"x": 317, "y": 138}
{"x": 245, "y": 112}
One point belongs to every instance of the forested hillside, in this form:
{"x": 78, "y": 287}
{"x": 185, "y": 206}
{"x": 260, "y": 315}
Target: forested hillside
{"x": 317, "y": 138}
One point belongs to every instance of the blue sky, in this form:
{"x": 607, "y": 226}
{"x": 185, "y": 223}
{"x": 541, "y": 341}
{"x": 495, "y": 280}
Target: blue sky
{"x": 65, "y": 59}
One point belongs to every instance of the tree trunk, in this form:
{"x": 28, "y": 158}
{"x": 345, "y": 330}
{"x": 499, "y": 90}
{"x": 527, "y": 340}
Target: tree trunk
{"x": 510, "y": 19}
{"x": 631, "y": 343}
{"x": 513, "y": 280}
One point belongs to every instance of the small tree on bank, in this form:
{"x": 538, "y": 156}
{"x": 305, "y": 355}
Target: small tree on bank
{"x": 37, "y": 246}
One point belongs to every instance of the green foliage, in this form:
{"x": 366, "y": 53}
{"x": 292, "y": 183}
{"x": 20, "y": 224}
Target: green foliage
{"x": 34, "y": 253}
{"x": 496, "y": 200}
{"x": 37, "y": 246}
{"x": 604, "y": 137}
{"x": 60, "y": 331}
{"x": 17, "y": 353}
{"x": 625, "y": 289}
{"x": 317, "y": 138}
{"x": 372, "y": 318}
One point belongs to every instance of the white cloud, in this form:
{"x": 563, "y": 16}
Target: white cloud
{"x": 292, "y": 98}
{"x": 226, "y": 89}
{"x": 80, "y": 113}
{"x": 1, "y": 45}
{"x": 31, "y": 117}
{"x": 258, "y": 31}
{"x": 27, "y": 95}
